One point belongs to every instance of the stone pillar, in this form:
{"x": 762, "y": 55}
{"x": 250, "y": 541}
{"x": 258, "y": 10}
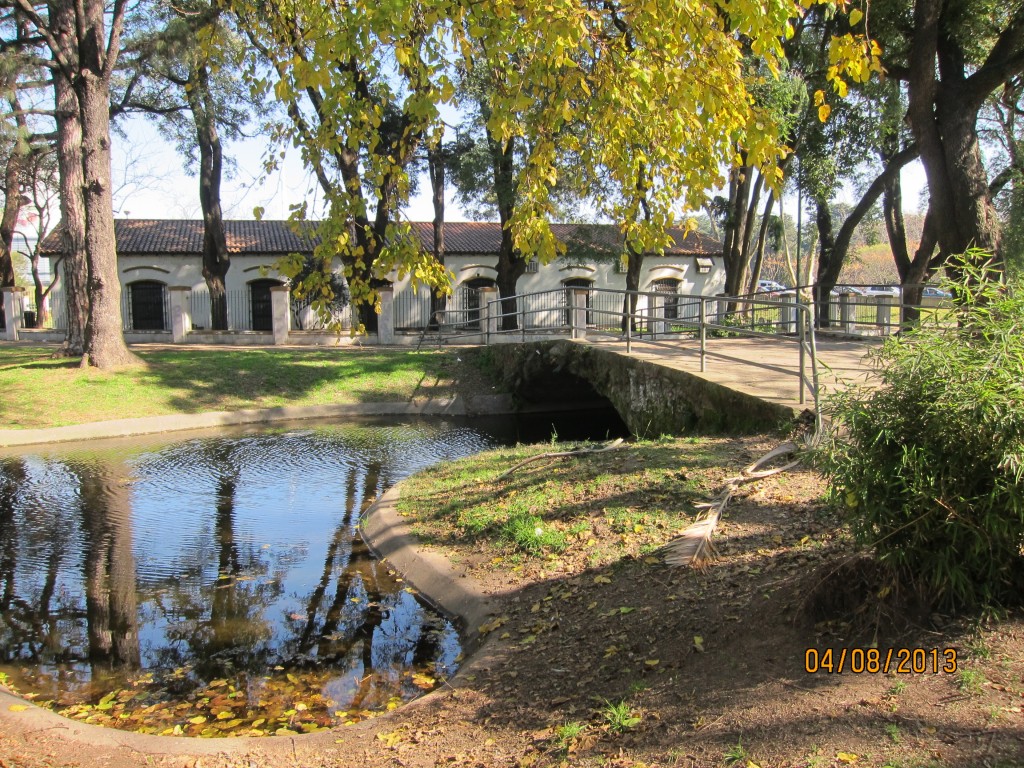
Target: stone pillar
{"x": 386, "y": 320}
{"x": 788, "y": 312}
{"x": 578, "y": 312}
{"x": 490, "y": 313}
{"x": 280, "y": 310}
{"x": 847, "y": 312}
{"x": 659, "y": 324}
{"x": 181, "y": 313}
{"x": 14, "y": 312}
{"x": 883, "y": 314}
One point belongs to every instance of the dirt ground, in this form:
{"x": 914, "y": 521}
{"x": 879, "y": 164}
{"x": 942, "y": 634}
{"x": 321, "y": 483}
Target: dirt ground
{"x": 636, "y": 664}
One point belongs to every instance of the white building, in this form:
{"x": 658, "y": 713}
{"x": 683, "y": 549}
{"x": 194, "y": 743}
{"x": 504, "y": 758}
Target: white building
{"x": 155, "y": 256}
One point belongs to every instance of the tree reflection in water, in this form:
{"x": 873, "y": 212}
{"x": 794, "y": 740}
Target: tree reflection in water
{"x": 173, "y": 569}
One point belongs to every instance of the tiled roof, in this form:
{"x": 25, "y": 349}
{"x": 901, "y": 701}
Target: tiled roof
{"x": 472, "y": 238}
{"x": 185, "y": 236}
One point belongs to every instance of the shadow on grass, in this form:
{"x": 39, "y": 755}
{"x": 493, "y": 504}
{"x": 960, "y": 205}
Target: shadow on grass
{"x": 203, "y": 380}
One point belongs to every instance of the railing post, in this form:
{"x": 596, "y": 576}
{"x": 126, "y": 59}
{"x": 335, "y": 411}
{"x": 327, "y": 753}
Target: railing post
{"x": 789, "y": 315}
{"x": 659, "y": 324}
{"x": 521, "y": 306}
{"x": 847, "y": 312}
{"x": 14, "y": 311}
{"x": 181, "y": 312}
{"x": 883, "y": 314}
{"x": 280, "y": 301}
{"x": 802, "y": 323}
{"x": 490, "y": 314}
{"x": 578, "y": 303}
{"x": 703, "y": 333}
{"x": 386, "y": 319}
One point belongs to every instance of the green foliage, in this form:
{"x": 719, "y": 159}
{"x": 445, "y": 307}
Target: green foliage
{"x": 970, "y": 681}
{"x": 530, "y": 534}
{"x": 620, "y": 717}
{"x": 929, "y": 464}
{"x": 735, "y": 755}
{"x": 568, "y": 732}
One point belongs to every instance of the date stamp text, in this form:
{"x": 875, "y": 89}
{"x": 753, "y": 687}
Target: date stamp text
{"x": 917, "y": 661}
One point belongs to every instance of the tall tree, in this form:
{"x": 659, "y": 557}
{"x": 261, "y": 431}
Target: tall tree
{"x": 183, "y": 69}
{"x": 83, "y": 48}
{"x": 952, "y": 57}
{"x": 361, "y": 84}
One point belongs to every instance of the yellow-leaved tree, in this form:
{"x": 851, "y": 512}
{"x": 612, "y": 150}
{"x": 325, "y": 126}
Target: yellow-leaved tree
{"x": 652, "y": 94}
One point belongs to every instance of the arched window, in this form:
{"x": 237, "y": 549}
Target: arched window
{"x": 147, "y": 306}
{"x": 260, "y": 308}
{"x": 669, "y": 286}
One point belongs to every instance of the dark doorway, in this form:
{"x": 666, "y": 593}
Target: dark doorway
{"x": 260, "y": 304}
{"x": 471, "y": 299}
{"x": 571, "y": 285}
{"x": 146, "y": 304}
{"x": 670, "y": 287}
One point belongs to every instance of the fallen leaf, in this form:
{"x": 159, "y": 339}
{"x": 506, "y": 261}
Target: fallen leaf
{"x": 847, "y": 757}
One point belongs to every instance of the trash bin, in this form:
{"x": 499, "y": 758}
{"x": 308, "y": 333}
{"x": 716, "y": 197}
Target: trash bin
{"x": 30, "y": 318}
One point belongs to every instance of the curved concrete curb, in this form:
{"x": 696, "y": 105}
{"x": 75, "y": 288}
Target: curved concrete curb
{"x": 455, "y": 406}
{"x": 447, "y": 588}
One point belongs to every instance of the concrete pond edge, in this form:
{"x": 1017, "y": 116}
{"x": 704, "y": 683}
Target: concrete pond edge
{"x": 452, "y": 592}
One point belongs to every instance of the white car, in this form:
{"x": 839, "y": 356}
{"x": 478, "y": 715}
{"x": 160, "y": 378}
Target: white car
{"x": 882, "y": 290}
{"x": 770, "y": 286}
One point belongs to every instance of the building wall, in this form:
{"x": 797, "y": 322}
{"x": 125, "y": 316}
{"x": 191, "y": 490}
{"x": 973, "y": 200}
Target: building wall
{"x": 174, "y": 270}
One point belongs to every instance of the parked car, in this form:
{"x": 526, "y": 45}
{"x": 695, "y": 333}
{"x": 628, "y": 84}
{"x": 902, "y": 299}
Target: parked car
{"x": 770, "y": 287}
{"x": 930, "y": 292}
{"x": 841, "y": 289}
{"x": 882, "y": 290}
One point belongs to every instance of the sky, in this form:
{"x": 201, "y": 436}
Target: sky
{"x": 150, "y": 183}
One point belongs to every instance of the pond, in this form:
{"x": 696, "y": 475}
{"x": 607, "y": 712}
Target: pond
{"x": 216, "y": 584}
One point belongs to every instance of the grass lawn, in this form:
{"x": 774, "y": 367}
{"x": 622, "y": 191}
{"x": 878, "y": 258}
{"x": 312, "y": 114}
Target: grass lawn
{"x": 44, "y": 392}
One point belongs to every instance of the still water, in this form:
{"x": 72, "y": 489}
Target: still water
{"x": 217, "y": 584}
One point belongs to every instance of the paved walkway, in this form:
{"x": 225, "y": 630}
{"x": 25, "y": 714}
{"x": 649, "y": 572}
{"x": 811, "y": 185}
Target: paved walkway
{"x": 767, "y": 368}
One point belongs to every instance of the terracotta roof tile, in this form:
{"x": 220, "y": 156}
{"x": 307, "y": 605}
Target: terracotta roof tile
{"x": 485, "y": 237}
{"x": 184, "y": 236}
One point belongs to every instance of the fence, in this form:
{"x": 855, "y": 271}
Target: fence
{"x": 239, "y": 309}
{"x": 307, "y": 317}
{"x": 414, "y": 310}
{"x": 53, "y": 315}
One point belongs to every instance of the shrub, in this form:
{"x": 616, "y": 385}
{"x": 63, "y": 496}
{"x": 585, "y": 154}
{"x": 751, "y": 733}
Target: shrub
{"x": 929, "y": 464}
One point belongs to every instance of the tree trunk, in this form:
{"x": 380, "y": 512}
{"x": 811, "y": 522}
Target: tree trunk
{"x": 105, "y": 347}
{"x": 75, "y": 271}
{"x": 762, "y": 239}
{"x": 12, "y": 204}
{"x": 943, "y": 111}
{"x": 511, "y": 264}
{"x": 436, "y": 170}
{"x": 634, "y": 265}
{"x": 832, "y": 254}
{"x": 216, "y": 259}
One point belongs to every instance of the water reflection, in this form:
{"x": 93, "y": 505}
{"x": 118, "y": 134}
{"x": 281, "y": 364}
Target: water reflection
{"x": 229, "y": 562}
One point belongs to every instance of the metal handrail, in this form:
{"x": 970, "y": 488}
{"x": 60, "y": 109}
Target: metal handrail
{"x": 789, "y": 321}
